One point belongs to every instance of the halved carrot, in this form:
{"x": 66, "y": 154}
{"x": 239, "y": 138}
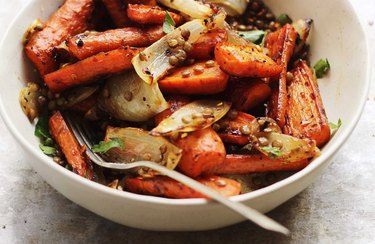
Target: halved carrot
{"x": 305, "y": 114}
{"x": 69, "y": 145}
{"x": 245, "y": 61}
{"x": 167, "y": 187}
{"x": 230, "y": 128}
{"x": 245, "y": 164}
{"x": 150, "y": 15}
{"x": 196, "y": 79}
{"x": 204, "y": 47}
{"x": 87, "y": 44}
{"x": 202, "y": 150}
{"x": 90, "y": 69}
{"x": 175, "y": 102}
{"x": 117, "y": 10}
{"x": 247, "y": 94}
{"x": 70, "y": 19}
{"x": 281, "y": 46}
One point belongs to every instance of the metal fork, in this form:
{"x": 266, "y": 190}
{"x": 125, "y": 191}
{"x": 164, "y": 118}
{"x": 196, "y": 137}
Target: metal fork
{"x": 82, "y": 134}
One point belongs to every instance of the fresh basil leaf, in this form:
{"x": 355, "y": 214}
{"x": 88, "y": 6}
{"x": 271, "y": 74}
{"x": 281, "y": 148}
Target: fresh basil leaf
{"x": 41, "y": 127}
{"x": 168, "y": 24}
{"x": 321, "y": 68}
{"x": 334, "y": 126}
{"x": 254, "y": 36}
{"x": 50, "y": 151}
{"x": 104, "y": 147}
{"x": 274, "y": 151}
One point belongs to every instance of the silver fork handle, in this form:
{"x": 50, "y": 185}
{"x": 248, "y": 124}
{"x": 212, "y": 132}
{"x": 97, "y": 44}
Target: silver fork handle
{"x": 250, "y": 213}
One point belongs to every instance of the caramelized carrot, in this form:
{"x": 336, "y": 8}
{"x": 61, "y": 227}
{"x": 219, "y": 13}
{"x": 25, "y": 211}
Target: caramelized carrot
{"x": 150, "y": 15}
{"x": 196, "y": 79}
{"x": 70, "y": 19}
{"x": 90, "y": 69}
{"x": 69, "y": 145}
{"x": 202, "y": 150}
{"x": 246, "y": 95}
{"x": 204, "y": 47}
{"x": 117, "y": 10}
{"x": 87, "y": 44}
{"x": 145, "y": 2}
{"x": 245, "y": 164}
{"x": 245, "y": 61}
{"x": 305, "y": 114}
{"x": 175, "y": 102}
{"x": 280, "y": 45}
{"x": 167, "y": 187}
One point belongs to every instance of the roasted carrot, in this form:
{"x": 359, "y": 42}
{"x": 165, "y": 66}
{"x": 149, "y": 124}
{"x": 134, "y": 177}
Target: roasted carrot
{"x": 90, "y": 69}
{"x": 245, "y": 164}
{"x": 232, "y": 129}
{"x": 202, "y": 150}
{"x": 175, "y": 102}
{"x": 247, "y": 94}
{"x": 87, "y": 44}
{"x": 117, "y": 10}
{"x": 69, "y": 145}
{"x": 204, "y": 47}
{"x": 150, "y": 15}
{"x": 167, "y": 187}
{"x": 196, "y": 79}
{"x": 245, "y": 60}
{"x": 145, "y": 2}
{"x": 70, "y": 19}
{"x": 280, "y": 45}
{"x": 305, "y": 114}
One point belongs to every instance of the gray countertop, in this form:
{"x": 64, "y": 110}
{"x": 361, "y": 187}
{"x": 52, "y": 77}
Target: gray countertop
{"x": 338, "y": 207}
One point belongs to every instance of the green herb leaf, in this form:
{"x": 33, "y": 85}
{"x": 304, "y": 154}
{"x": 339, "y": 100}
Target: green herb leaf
{"x": 321, "y": 68}
{"x": 284, "y": 19}
{"x": 334, "y": 126}
{"x": 168, "y": 24}
{"x": 50, "y": 151}
{"x": 254, "y": 36}
{"x": 41, "y": 127}
{"x": 274, "y": 151}
{"x": 104, "y": 147}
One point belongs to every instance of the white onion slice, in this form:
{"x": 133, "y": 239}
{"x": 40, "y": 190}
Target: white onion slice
{"x": 232, "y": 7}
{"x": 192, "y": 8}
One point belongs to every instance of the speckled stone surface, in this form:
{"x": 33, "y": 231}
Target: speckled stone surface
{"x": 338, "y": 208}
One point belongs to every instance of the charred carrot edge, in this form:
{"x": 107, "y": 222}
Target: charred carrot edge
{"x": 69, "y": 145}
{"x": 87, "y": 44}
{"x": 167, "y": 187}
{"x": 90, "y": 69}
{"x": 245, "y": 164}
{"x": 305, "y": 114}
{"x": 281, "y": 45}
{"x": 144, "y": 2}
{"x": 232, "y": 130}
{"x": 70, "y": 19}
{"x": 150, "y": 15}
{"x": 201, "y": 151}
{"x": 175, "y": 102}
{"x": 117, "y": 11}
{"x": 201, "y": 80}
{"x": 245, "y": 95}
{"x": 204, "y": 47}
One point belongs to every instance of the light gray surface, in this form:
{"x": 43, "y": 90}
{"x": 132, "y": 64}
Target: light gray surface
{"x": 339, "y": 206}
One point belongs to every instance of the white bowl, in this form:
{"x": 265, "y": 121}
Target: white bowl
{"x": 337, "y": 35}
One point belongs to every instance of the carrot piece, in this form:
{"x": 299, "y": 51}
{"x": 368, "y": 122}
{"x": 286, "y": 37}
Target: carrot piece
{"x": 117, "y": 11}
{"x": 305, "y": 114}
{"x": 245, "y": 95}
{"x": 202, "y": 150}
{"x": 69, "y": 145}
{"x": 175, "y": 103}
{"x": 150, "y": 15}
{"x": 145, "y": 2}
{"x": 201, "y": 80}
{"x": 281, "y": 46}
{"x": 204, "y": 47}
{"x": 245, "y": 164}
{"x": 70, "y": 19}
{"x": 167, "y": 187}
{"x": 245, "y": 60}
{"x": 87, "y": 44}
{"x": 90, "y": 69}
{"x": 230, "y": 131}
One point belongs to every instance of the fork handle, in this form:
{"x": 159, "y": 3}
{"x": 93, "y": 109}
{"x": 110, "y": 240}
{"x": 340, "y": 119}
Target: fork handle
{"x": 247, "y": 212}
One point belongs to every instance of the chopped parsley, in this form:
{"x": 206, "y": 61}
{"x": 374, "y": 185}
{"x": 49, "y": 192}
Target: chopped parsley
{"x": 47, "y": 144}
{"x": 334, "y": 126}
{"x": 168, "y": 24}
{"x": 321, "y": 68}
{"x": 254, "y": 36}
{"x": 273, "y": 151}
{"x": 284, "y": 19}
{"x": 104, "y": 147}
